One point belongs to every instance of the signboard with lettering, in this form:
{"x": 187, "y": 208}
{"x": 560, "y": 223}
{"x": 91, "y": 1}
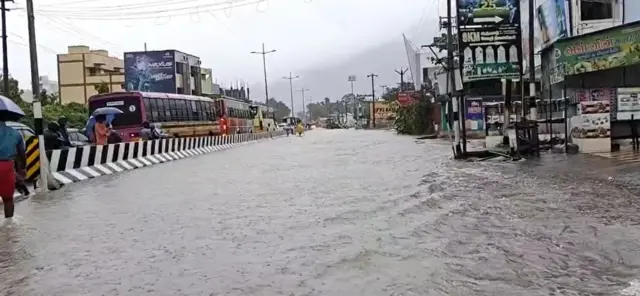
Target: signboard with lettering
{"x": 609, "y": 49}
{"x": 150, "y": 71}
{"x": 490, "y": 39}
{"x": 474, "y": 114}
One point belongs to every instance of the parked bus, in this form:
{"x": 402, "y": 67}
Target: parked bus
{"x": 175, "y": 114}
{"x": 236, "y": 116}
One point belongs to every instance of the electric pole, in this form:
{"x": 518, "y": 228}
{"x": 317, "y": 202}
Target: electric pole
{"x": 291, "y": 78}
{"x": 373, "y": 98}
{"x": 35, "y": 88}
{"x": 401, "y": 72}
{"x": 5, "y": 58}
{"x": 457, "y": 149}
{"x": 532, "y": 67}
{"x": 264, "y": 54}
{"x": 304, "y": 107}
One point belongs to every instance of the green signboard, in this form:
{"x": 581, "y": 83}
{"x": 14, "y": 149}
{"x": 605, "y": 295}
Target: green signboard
{"x": 613, "y": 48}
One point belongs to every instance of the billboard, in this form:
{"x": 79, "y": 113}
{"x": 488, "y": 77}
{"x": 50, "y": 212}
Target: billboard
{"x": 552, "y": 21}
{"x": 150, "y": 71}
{"x": 607, "y": 49}
{"x": 490, "y": 39}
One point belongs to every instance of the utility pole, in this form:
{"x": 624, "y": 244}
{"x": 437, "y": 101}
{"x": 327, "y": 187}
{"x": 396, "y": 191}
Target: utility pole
{"x": 457, "y": 149}
{"x": 291, "y": 78}
{"x": 401, "y": 72}
{"x": 5, "y": 58}
{"x": 304, "y": 107}
{"x": 373, "y": 98}
{"x": 351, "y": 79}
{"x": 264, "y": 53}
{"x": 532, "y": 67}
{"x": 35, "y": 88}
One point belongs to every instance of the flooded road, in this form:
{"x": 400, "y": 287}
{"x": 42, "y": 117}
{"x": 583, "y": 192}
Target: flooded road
{"x": 332, "y": 213}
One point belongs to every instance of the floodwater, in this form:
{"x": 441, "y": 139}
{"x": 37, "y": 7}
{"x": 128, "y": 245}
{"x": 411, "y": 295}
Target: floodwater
{"x": 332, "y": 213}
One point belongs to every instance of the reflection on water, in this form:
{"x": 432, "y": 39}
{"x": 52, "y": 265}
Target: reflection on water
{"x": 333, "y": 213}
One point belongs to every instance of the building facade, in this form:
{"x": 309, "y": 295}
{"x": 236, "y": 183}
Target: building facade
{"x": 81, "y": 69}
{"x": 48, "y": 85}
{"x": 592, "y": 66}
{"x": 166, "y": 71}
{"x": 207, "y": 82}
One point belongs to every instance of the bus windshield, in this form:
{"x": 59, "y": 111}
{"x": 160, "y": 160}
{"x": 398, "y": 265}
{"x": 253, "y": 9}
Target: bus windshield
{"x": 129, "y": 105}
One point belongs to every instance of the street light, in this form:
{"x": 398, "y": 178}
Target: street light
{"x": 291, "y": 78}
{"x": 264, "y": 66}
{"x": 304, "y": 107}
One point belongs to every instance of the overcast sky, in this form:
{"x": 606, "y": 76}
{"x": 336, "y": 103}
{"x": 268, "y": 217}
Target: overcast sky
{"x": 307, "y": 34}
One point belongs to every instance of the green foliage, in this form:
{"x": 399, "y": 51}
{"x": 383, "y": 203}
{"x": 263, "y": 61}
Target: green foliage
{"x": 52, "y": 110}
{"x": 281, "y": 109}
{"x": 414, "y": 119}
{"x": 391, "y": 93}
{"x": 323, "y": 109}
{"x": 102, "y": 88}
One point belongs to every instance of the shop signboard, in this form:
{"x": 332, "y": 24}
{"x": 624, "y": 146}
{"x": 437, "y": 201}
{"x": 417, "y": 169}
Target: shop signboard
{"x": 489, "y": 39}
{"x": 612, "y": 48}
{"x": 474, "y": 115}
{"x": 552, "y": 20}
{"x": 627, "y": 104}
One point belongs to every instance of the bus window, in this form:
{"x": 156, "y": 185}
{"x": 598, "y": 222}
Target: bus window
{"x": 199, "y": 111}
{"x": 182, "y": 110}
{"x": 129, "y": 105}
{"x": 189, "y": 114}
{"x": 147, "y": 108}
{"x": 173, "y": 112}
{"x": 167, "y": 110}
{"x": 154, "y": 110}
{"x": 161, "y": 117}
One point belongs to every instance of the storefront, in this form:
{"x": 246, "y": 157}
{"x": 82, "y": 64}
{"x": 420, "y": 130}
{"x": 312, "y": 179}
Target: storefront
{"x": 598, "y": 74}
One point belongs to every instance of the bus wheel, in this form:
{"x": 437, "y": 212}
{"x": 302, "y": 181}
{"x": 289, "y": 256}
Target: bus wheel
{"x": 175, "y": 135}
{"x": 210, "y": 134}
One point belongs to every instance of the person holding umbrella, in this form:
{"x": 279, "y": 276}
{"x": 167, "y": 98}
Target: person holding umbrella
{"x": 12, "y": 153}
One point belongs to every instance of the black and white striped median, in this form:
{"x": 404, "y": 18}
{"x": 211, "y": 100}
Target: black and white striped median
{"x": 88, "y": 162}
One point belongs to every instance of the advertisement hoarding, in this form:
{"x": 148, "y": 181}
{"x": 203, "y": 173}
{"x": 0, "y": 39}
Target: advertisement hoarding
{"x": 612, "y": 48}
{"x": 490, "y": 39}
{"x": 552, "y": 20}
{"x": 474, "y": 114}
{"x": 150, "y": 71}
{"x": 627, "y": 104}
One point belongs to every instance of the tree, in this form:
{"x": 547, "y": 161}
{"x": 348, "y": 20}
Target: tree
{"x": 281, "y": 109}
{"x": 47, "y": 98}
{"x": 415, "y": 118}
{"x": 15, "y": 93}
{"x": 102, "y": 88}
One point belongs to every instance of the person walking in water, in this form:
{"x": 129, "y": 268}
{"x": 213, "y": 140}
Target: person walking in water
{"x": 12, "y": 157}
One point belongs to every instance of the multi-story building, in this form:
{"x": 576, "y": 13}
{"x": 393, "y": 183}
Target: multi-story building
{"x": 207, "y": 82}
{"x": 81, "y": 69}
{"x": 167, "y": 71}
{"x": 50, "y": 86}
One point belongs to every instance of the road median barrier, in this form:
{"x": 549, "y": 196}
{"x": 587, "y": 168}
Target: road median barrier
{"x": 77, "y": 164}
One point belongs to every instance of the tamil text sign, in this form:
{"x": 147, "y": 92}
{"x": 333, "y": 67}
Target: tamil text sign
{"x": 150, "y": 71}
{"x": 605, "y": 50}
{"x": 489, "y": 38}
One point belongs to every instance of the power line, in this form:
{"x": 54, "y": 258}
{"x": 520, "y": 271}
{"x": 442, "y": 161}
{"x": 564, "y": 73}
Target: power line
{"x": 64, "y": 6}
{"x": 136, "y": 15}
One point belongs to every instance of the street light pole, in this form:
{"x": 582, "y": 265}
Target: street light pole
{"x": 304, "y": 107}
{"x": 373, "y": 97}
{"x": 264, "y": 67}
{"x": 291, "y": 78}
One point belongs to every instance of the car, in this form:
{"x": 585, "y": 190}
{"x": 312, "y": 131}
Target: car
{"x": 77, "y": 138}
{"x": 24, "y": 130}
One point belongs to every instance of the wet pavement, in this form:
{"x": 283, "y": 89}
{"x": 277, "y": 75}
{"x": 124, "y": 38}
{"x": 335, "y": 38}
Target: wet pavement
{"x": 332, "y": 213}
